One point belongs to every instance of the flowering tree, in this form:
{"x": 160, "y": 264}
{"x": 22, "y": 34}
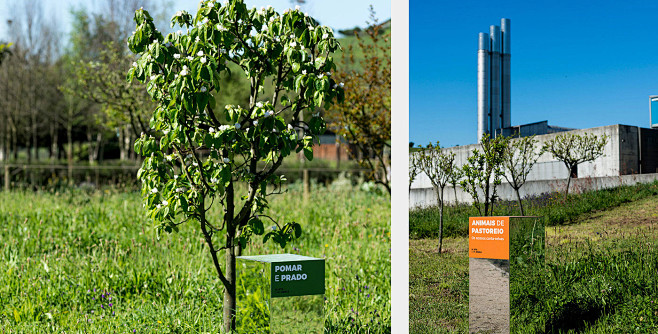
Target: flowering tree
{"x": 197, "y": 152}
{"x": 573, "y": 149}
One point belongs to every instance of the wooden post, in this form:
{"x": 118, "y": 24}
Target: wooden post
{"x": 6, "y": 178}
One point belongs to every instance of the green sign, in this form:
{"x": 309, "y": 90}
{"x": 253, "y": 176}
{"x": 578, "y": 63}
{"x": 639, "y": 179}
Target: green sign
{"x": 293, "y": 275}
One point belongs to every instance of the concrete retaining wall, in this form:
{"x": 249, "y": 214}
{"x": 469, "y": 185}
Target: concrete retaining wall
{"x": 422, "y": 197}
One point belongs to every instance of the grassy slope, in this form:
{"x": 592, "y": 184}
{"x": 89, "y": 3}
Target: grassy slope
{"x": 601, "y": 279}
{"x": 60, "y": 252}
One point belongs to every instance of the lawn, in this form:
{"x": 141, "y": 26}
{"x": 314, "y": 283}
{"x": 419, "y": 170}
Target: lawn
{"x": 90, "y": 262}
{"x": 601, "y": 271}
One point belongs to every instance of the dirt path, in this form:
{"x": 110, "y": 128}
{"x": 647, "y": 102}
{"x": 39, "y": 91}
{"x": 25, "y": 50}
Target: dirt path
{"x": 489, "y": 297}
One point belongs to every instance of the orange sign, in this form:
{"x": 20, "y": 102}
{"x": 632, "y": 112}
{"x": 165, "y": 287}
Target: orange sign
{"x": 488, "y": 237}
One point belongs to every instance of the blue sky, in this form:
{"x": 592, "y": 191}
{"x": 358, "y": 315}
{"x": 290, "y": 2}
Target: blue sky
{"x": 576, "y": 64}
{"x": 338, "y": 14}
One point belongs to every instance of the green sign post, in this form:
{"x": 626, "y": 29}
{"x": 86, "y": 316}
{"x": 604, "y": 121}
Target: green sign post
{"x": 280, "y": 293}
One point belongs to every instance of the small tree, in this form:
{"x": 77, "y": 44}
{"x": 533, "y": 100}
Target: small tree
{"x": 364, "y": 119}
{"x": 519, "y": 158}
{"x": 203, "y": 150}
{"x": 439, "y": 168}
{"x": 482, "y": 172}
{"x": 573, "y": 149}
{"x": 414, "y": 167}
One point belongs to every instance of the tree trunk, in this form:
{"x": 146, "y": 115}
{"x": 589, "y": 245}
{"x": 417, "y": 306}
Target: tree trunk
{"x": 441, "y": 222}
{"x": 229, "y": 291}
{"x": 518, "y": 197}
{"x": 566, "y": 191}
{"x": 69, "y": 152}
{"x": 454, "y": 188}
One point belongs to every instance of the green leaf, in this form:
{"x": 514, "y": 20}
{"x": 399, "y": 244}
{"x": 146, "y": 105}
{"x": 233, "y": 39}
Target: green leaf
{"x": 308, "y": 153}
{"x": 257, "y": 226}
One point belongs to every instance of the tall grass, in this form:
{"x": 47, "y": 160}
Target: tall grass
{"x": 90, "y": 262}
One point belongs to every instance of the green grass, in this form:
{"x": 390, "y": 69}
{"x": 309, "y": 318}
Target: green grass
{"x": 424, "y": 223}
{"x": 601, "y": 271}
{"x": 66, "y": 256}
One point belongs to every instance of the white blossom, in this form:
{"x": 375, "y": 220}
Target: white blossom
{"x": 158, "y": 206}
{"x": 200, "y": 53}
{"x": 341, "y": 85}
{"x": 316, "y": 114}
{"x": 259, "y": 104}
{"x": 214, "y": 180}
{"x": 175, "y": 177}
{"x": 325, "y": 35}
{"x": 227, "y": 160}
{"x": 290, "y": 127}
{"x": 179, "y": 13}
{"x": 203, "y": 60}
{"x": 180, "y": 190}
{"x": 320, "y": 76}
{"x": 311, "y": 28}
{"x": 237, "y": 126}
{"x": 179, "y": 32}
{"x": 303, "y": 71}
{"x": 134, "y": 64}
{"x": 328, "y": 74}
{"x": 256, "y": 122}
{"x": 153, "y": 77}
{"x": 224, "y": 127}
{"x": 297, "y": 7}
{"x": 293, "y": 44}
{"x": 211, "y": 5}
{"x": 177, "y": 55}
{"x": 165, "y": 203}
{"x": 184, "y": 71}
{"x": 195, "y": 164}
{"x": 211, "y": 130}
{"x": 203, "y": 89}
{"x": 154, "y": 190}
{"x": 189, "y": 58}
{"x": 197, "y": 39}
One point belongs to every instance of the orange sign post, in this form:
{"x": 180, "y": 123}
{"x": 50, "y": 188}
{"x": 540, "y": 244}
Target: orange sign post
{"x": 488, "y": 238}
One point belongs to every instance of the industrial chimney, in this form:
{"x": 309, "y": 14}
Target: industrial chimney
{"x": 494, "y": 94}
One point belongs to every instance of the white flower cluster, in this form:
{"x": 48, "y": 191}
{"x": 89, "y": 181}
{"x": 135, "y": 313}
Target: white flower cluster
{"x": 203, "y": 89}
{"x": 184, "y": 72}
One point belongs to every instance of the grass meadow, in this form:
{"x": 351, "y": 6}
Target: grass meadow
{"x": 89, "y": 262}
{"x": 601, "y": 273}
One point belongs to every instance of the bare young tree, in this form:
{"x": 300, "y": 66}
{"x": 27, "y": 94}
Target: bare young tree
{"x": 573, "y": 149}
{"x": 519, "y": 158}
{"x": 439, "y": 168}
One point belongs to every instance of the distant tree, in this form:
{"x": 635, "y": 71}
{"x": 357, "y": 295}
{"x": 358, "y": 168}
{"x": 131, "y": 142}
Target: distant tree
{"x": 414, "y": 167}
{"x": 364, "y": 119}
{"x": 519, "y": 158}
{"x": 455, "y": 178}
{"x": 439, "y": 168}
{"x": 482, "y": 172}
{"x": 200, "y": 153}
{"x": 573, "y": 149}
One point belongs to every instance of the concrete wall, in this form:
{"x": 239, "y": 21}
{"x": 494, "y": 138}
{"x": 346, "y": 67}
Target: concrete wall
{"x": 621, "y": 156}
{"x": 423, "y": 197}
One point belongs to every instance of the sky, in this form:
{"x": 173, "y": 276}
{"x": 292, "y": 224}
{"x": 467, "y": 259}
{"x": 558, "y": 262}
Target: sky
{"x": 337, "y": 14}
{"x": 577, "y": 64}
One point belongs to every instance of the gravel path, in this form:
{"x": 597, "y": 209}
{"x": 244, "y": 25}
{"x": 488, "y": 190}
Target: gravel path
{"x": 489, "y": 296}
